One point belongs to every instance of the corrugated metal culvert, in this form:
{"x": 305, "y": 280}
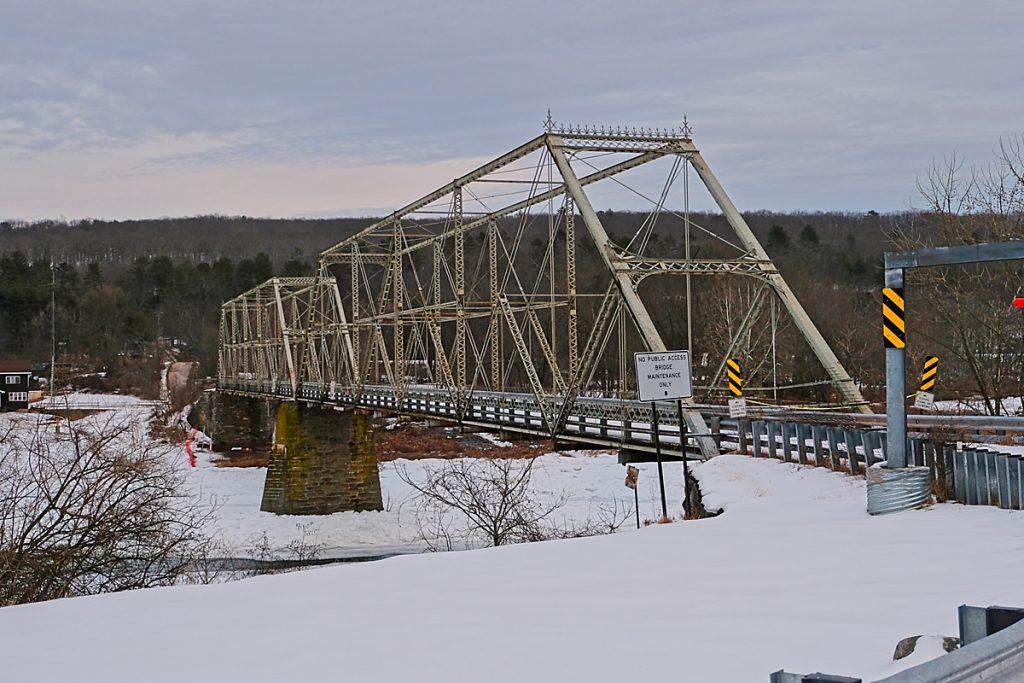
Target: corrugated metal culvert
{"x": 896, "y": 490}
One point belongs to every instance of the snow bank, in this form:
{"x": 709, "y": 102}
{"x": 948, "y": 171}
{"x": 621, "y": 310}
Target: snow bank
{"x": 795, "y": 574}
{"x": 593, "y": 485}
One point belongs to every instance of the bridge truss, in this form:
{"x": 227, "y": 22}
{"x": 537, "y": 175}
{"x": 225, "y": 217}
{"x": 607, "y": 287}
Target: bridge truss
{"x": 474, "y": 288}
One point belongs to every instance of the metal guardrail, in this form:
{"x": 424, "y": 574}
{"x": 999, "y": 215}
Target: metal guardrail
{"x": 992, "y": 649}
{"x": 969, "y": 475}
{"x": 602, "y": 422}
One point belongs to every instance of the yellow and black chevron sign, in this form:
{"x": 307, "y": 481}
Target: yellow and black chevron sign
{"x": 930, "y": 373}
{"x": 735, "y": 382}
{"x": 894, "y": 328}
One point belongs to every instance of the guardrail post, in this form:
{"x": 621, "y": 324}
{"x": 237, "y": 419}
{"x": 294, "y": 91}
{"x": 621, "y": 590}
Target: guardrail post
{"x": 817, "y": 435}
{"x": 973, "y": 480}
{"x": 1003, "y": 480}
{"x": 948, "y": 452}
{"x": 742, "y": 429}
{"x": 1013, "y": 480}
{"x": 773, "y": 434}
{"x": 756, "y": 432}
{"x": 850, "y": 437}
{"x": 991, "y": 487}
{"x": 801, "y": 442}
{"x": 716, "y": 430}
{"x": 833, "y": 447}
{"x": 930, "y": 459}
{"x": 960, "y": 476}
{"x": 878, "y": 444}
{"x": 919, "y": 452}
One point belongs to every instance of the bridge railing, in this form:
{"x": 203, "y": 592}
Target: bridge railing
{"x": 972, "y": 475}
{"x": 965, "y": 473}
{"x": 600, "y": 421}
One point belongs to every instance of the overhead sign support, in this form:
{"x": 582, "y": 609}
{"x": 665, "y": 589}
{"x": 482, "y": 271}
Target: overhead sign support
{"x": 895, "y": 352}
{"x": 894, "y": 326}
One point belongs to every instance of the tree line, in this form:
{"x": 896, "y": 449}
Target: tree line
{"x": 118, "y": 286}
{"x": 101, "y": 314}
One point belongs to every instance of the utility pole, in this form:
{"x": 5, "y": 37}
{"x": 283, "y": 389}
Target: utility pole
{"x": 53, "y": 324}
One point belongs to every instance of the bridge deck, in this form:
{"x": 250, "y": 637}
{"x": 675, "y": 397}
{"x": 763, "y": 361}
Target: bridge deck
{"x": 595, "y": 421}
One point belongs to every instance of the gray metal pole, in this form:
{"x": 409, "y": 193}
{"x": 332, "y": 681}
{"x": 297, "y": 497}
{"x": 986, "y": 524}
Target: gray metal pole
{"x": 686, "y": 464}
{"x": 656, "y": 435}
{"x": 895, "y": 391}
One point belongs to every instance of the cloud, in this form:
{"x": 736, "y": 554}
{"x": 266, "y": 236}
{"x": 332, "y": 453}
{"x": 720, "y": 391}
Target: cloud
{"x": 796, "y": 104}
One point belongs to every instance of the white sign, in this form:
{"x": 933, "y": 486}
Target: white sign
{"x": 737, "y": 407}
{"x": 925, "y": 400}
{"x": 663, "y": 376}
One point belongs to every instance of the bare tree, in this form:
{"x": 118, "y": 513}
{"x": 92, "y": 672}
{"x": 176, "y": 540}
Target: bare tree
{"x": 968, "y": 311}
{"x": 468, "y": 502}
{"x": 91, "y": 510}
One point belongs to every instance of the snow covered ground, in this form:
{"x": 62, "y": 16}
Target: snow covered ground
{"x": 794, "y": 574}
{"x": 593, "y": 484}
{"x": 976, "y": 406}
{"x": 590, "y": 481}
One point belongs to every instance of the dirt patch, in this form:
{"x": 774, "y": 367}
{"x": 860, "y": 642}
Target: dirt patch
{"x": 243, "y": 459}
{"x": 72, "y": 414}
{"x": 415, "y": 441}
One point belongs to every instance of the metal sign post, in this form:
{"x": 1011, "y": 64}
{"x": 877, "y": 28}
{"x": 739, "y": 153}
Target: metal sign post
{"x": 686, "y": 461}
{"x": 664, "y": 376}
{"x": 656, "y": 437}
{"x": 895, "y": 335}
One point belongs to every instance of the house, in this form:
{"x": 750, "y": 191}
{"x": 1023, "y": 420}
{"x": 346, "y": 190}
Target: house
{"x": 15, "y": 376}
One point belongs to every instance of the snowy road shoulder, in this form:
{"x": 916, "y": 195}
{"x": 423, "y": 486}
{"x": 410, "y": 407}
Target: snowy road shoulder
{"x": 794, "y": 575}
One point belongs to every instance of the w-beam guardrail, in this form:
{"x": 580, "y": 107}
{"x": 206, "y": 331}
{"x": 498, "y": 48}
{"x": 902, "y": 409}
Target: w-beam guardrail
{"x": 970, "y": 474}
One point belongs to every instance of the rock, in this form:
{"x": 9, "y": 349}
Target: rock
{"x": 906, "y": 646}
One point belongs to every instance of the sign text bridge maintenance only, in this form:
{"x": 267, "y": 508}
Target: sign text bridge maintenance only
{"x": 663, "y": 376}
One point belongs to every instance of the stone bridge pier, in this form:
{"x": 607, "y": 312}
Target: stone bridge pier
{"x": 321, "y": 460}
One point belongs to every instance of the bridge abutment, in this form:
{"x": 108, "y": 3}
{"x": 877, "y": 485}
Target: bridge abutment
{"x": 323, "y": 461}
{"x": 235, "y": 422}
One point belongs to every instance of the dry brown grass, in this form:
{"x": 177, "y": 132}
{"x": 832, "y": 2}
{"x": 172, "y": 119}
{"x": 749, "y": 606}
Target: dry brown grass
{"x": 72, "y": 414}
{"x": 243, "y": 459}
{"x": 416, "y": 441}
{"x": 412, "y": 441}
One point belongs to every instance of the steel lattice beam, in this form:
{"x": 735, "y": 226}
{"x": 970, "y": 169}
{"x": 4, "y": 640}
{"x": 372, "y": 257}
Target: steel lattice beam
{"x": 426, "y": 300}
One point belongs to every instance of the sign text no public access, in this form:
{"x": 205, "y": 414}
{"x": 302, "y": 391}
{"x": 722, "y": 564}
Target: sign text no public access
{"x": 663, "y": 376}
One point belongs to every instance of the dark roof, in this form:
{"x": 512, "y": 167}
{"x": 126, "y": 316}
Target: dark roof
{"x": 15, "y": 366}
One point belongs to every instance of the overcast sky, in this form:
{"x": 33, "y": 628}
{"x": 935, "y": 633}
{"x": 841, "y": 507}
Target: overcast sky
{"x": 139, "y": 108}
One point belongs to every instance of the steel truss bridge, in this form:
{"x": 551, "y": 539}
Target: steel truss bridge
{"x": 466, "y": 305}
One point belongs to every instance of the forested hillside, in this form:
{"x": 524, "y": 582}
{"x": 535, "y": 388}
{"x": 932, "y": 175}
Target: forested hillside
{"x": 121, "y": 285}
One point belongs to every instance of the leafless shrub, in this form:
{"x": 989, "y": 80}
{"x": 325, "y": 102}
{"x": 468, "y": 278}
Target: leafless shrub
{"x": 489, "y": 502}
{"x": 303, "y": 549}
{"x": 92, "y": 509}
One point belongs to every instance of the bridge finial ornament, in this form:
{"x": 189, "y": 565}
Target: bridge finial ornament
{"x": 686, "y": 130}
{"x": 549, "y": 123}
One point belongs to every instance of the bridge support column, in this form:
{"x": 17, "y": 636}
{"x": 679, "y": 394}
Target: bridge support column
{"x": 323, "y": 461}
{"x": 234, "y": 421}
